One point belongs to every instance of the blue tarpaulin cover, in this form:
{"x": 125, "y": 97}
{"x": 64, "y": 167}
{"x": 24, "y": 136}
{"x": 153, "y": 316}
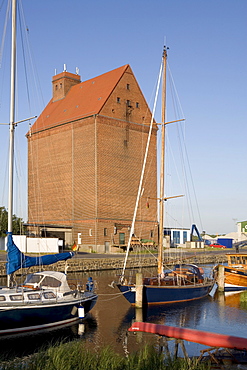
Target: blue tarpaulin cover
{"x": 16, "y": 259}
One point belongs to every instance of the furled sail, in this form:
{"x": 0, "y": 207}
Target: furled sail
{"x": 16, "y": 259}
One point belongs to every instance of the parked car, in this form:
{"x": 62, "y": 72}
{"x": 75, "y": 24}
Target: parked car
{"x": 216, "y": 245}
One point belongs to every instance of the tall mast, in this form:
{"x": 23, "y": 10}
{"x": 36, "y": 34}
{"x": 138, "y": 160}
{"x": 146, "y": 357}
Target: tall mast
{"x": 12, "y": 121}
{"x": 12, "y": 116}
{"x": 162, "y": 166}
{"x": 142, "y": 175}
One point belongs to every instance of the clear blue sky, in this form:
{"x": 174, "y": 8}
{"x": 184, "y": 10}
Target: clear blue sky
{"x": 208, "y": 61}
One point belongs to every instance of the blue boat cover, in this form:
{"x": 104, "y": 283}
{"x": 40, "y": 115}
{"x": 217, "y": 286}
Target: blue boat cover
{"x": 16, "y": 259}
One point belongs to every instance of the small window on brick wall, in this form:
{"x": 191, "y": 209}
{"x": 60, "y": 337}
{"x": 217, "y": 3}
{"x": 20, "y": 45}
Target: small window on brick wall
{"x": 137, "y": 105}
{"x": 121, "y": 238}
{"x": 90, "y": 232}
{"x": 105, "y": 231}
{"x": 118, "y": 100}
{"x": 128, "y": 86}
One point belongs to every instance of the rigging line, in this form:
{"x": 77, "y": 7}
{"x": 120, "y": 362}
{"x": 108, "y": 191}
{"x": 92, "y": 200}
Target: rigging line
{"x": 21, "y": 205}
{"x": 186, "y": 156}
{"x": 4, "y": 32}
{"x": 185, "y": 149}
{"x": 1, "y": 5}
{"x": 25, "y": 64}
{"x": 111, "y": 294}
{"x": 111, "y": 299}
{"x": 171, "y": 155}
{"x": 32, "y": 61}
{"x": 115, "y": 294}
{"x": 5, "y": 181}
{"x": 142, "y": 175}
{"x": 24, "y": 60}
{"x": 19, "y": 208}
{"x": 174, "y": 219}
{"x": 186, "y": 182}
{"x": 7, "y": 17}
{"x": 174, "y": 88}
{"x": 194, "y": 190}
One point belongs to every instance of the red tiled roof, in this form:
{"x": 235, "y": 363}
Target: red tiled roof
{"x": 82, "y": 100}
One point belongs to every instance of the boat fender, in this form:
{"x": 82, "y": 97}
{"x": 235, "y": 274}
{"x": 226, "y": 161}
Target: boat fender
{"x": 81, "y": 312}
{"x": 201, "y": 270}
{"x": 74, "y": 310}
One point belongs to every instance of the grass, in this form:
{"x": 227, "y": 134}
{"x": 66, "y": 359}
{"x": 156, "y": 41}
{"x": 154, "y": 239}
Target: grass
{"x": 75, "y": 356}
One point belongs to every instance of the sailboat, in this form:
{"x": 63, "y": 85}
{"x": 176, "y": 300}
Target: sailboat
{"x": 45, "y": 299}
{"x": 234, "y": 273}
{"x": 185, "y": 282}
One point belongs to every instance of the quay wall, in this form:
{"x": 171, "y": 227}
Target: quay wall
{"x": 100, "y": 264}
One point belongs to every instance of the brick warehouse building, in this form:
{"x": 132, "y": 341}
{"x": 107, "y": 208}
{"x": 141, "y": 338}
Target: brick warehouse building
{"x": 85, "y": 155}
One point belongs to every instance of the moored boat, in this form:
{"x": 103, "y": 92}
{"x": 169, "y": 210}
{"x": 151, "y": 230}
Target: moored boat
{"x": 235, "y": 273}
{"x": 44, "y": 300}
{"x": 185, "y": 282}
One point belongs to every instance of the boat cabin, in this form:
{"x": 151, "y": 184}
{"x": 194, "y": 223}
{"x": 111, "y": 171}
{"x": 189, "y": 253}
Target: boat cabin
{"x": 237, "y": 260}
{"x": 47, "y": 279}
{"x": 40, "y": 287}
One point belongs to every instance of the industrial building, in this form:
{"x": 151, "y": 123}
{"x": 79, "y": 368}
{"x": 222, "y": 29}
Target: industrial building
{"x": 85, "y": 155}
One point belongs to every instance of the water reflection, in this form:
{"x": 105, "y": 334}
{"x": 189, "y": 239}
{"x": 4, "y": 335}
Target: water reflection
{"x": 222, "y": 313}
{"x": 26, "y": 344}
{"x": 111, "y": 317}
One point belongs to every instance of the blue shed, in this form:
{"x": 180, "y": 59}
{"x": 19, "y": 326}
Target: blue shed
{"x": 225, "y": 241}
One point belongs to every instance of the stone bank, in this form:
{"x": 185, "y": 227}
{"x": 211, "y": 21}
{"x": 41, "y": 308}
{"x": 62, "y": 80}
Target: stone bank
{"x": 101, "y": 264}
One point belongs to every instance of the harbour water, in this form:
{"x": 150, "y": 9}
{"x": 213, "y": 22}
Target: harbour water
{"x": 108, "y": 322}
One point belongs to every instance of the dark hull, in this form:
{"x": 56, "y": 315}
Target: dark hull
{"x": 24, "y": 318}
{"x": 166, "y": 294}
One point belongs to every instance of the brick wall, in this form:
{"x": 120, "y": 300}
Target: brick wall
{"x": 85, "y": 174}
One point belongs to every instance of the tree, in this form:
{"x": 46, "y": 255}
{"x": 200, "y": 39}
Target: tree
{"x": 17, "y": 226}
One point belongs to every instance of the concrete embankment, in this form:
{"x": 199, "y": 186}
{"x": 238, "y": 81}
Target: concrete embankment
{"x": 111, "y": 263}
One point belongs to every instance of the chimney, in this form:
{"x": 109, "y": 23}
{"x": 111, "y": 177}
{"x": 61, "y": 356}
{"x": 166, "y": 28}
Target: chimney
{"x": 62, "y": 83}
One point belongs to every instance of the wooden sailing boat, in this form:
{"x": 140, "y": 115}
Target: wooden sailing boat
{"x": 45, "y": 299}
{"x": 185, "y": 282}
{"x": 235, "y": 273}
